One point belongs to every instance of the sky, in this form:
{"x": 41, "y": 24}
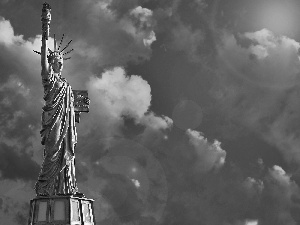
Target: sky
{"x": 194, "y": 115}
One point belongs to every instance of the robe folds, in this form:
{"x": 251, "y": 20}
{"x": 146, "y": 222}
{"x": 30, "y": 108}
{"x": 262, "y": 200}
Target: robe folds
{"x": 57, "y": 175}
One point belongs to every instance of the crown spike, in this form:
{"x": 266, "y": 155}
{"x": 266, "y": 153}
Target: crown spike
{"x": 50, "y": 50}
{"x": 61, "y": 42}
{"x": 54, "y": 43}
{"x": 68, "y": 52}
{"x": 36, "y": 52}
{"x": 66, "y": 46}
{"x": 67, "y": 58}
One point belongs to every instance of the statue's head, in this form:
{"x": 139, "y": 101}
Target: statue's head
{"x": 55, "y": 60}
{"x": 56, "y": 57}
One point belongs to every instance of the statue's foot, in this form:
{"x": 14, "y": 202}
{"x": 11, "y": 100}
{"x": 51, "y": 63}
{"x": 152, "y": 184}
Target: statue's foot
{"x": 63, "y": 194}
{"x": 79, "y": 194}
{"x": 42, "y": 195}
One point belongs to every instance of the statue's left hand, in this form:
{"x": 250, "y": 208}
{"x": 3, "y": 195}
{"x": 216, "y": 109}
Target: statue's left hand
{"x": 87, "y": 100}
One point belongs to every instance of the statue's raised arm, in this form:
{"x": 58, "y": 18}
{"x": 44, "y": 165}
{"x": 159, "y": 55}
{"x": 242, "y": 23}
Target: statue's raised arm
{"x": 46, "y": 19}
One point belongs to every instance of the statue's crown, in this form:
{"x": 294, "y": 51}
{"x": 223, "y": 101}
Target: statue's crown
{"x": 57, "y": 53}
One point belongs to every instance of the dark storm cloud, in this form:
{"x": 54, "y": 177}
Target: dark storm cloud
{"x": 182, "y": 26}
{"x": 21, "y": 216}
{"x": 15, "y": 165}
{"x": 126, "y": 179}
{"x": 261, "y": 91}
{"x": 122, "y": 196}
{"x": 119, "y": 196}
{"x": 20, "y": 98}
{"x": 192, "y": 32}
{"x": 14, "y": 212}
{"x": 16, "y": 117}
{"x": 227, "y": 196}
{"x": 257, "y": 92}
{"x": 277, "y": 202}
{"x": 104, "y": 39}
{"x": 18, "y": 106}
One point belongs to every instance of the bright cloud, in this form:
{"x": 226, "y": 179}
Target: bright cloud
{"x": 121, "y": 94}
{"x": 143, "y": 19}
{"x": 251, "y": 222}
{"x": 116, "y": 95}
{"x": 136, "y": 183}
{"x": 270, "y": 61}
{"x": 210, "y": 156}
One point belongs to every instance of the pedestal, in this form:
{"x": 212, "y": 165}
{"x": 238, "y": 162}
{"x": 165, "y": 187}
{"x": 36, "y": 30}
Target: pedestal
{"x": 61, "y": 210}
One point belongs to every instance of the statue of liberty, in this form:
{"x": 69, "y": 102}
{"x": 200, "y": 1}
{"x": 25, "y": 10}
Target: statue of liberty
{"x": 58, "y": 200}
{"x": 59, "y": 137}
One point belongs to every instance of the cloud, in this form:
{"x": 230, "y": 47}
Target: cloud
{"x": 14, "y": 212}
{"x": 136, "y": 183}
{"x": 258, "y": 78}
{"x": 12, "y": 165}
{"x": 230, "y": 198}
{"x": 106, "y": 37}
{"x": 143, "y": 20}
{"x": 121, "y": 95}
{"x": 251, "y": 222}
{"x": 7, "y": 35}
{"x": 19, "y": 100}
{"x": 116, "y": 96}
{"x": 210, "y": 156}
{"x": 185, "y": 29}
{"x": 156, "y": 129}
{"x": 188, "y": 41}
{"x": 270, "y": 61}
{"x": 278, "y": 197}
{"x": 16, "y": 52}
{"x": 219, "y": 192}
{"x": 14, "y": 202}
{"x": 127, "y": 182}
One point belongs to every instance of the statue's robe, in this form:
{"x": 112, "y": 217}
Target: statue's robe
{"x": 57, "y": 175}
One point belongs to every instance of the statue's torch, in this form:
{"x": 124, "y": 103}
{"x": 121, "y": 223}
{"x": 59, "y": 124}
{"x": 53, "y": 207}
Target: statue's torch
{"x": 46, "y": 19}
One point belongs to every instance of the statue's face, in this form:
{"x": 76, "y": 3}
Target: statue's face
{"x": 57, "y": 65}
